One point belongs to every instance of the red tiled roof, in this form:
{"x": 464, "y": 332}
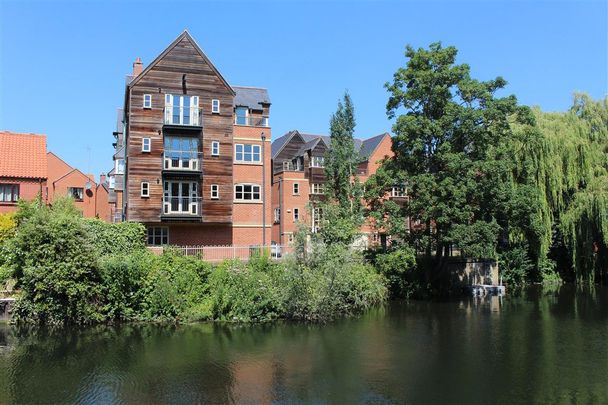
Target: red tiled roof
{"x": 22, "y": 155}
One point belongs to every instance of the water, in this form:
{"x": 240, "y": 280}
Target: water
{"x": 540, "y": 347}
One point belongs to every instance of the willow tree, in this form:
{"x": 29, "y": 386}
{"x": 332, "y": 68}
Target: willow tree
{"x": 568, "y": 162}
{"x": 452, "y": 146}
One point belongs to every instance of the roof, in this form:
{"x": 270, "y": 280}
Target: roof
{"x": 23, "y": 155}
{"x": 251, "y": 97}
{"x": 365, "y": 147}
{"x": 184, "y": 35}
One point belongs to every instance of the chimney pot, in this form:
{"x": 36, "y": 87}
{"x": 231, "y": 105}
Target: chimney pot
{"x": 138, "y": 67}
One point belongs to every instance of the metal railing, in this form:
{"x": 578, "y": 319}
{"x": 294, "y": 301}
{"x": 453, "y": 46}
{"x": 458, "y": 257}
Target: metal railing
{"x": 182, "y": 206}
{"x": 185, "y": 116}
{"x": 289, "y": 166}
{"x": 221, "y": 253}
{"x": 251, "y": 121}
{"x": 182, "y": 160}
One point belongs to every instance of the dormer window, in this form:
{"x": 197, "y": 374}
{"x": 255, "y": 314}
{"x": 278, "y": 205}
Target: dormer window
{"x": 241, "y": 115}
{"x": 317, "y": 161}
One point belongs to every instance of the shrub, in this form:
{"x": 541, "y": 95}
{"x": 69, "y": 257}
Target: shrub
{"x": 515, "y": 265}
{"x": 54, "y": 261}
{"x": 8, "y": 224}
{"x": 396, "y": 266}
{"x": 121, "y": 238}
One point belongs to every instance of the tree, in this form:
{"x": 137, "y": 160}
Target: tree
{"x": 342, "y": 210}
{"x": 452, "y": 145}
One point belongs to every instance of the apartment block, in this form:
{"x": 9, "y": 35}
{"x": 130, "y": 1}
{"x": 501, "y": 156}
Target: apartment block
{"x": 192, "y": 155}
{"x": 298, "y": 181}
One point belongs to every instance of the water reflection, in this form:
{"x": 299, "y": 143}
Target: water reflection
{"x": 545, "y": 346}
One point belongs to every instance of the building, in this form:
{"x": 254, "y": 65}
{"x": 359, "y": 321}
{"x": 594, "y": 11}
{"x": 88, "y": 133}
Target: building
{"x": 89, "y": 197}
{"x": 27, "y": 171}
{"x": 299, "y": 178}
{"x": 196, "y": 152}
{"x": 23, "y": 168}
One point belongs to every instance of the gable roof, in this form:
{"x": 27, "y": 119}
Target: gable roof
{"x": 183, "y": 35}
{"x": 365, "y": 147}
{"x": 22, "y": 155}
{"x": 251, "y": 97}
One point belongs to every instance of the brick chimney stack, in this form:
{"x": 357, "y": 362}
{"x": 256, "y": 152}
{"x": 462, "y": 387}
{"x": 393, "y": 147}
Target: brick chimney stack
{"x": 138, "y": 67}
{"x": 102, "y": 178}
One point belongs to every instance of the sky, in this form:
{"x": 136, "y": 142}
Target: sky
{"x": 63, "y": 63}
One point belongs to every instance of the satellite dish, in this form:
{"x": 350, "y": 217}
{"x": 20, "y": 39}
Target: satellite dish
{"x": 87, "y": 185}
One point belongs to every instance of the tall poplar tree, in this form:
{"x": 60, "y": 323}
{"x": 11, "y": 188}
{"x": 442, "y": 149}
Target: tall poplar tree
{"x": 341, "y": 209}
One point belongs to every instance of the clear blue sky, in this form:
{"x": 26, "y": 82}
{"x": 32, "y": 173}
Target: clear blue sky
{"x": 62, "y": 64}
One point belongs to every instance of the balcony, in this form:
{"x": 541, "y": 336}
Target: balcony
{"x": 182, "y": 208}
{"x": 251, "y": 121}
{"x": 182, "y": 161}
{"x": 183, "y": 117}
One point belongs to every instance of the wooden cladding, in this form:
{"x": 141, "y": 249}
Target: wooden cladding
{"x": 182, "y": 70}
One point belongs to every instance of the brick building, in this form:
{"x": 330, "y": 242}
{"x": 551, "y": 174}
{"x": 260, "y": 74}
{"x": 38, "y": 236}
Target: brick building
{"x": 192, "y": 159}
{"x": 299, "y": 178}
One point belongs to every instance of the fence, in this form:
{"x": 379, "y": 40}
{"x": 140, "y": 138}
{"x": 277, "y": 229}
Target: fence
{"x": 220, "y": 253}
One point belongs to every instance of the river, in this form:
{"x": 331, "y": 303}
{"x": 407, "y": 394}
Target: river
{"x": 541, "y": 346}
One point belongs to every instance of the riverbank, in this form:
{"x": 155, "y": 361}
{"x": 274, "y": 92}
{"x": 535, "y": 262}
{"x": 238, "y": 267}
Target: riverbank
{"x": 541, "y": 346}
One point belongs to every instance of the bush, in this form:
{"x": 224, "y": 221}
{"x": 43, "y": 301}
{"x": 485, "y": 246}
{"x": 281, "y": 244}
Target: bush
{"x": 8, "y": 224}
{"x": 515, "y": 265}
{"x": 54, "y": 262}
{"x": 396, "y": 266}
{"x": 122, "y": 238}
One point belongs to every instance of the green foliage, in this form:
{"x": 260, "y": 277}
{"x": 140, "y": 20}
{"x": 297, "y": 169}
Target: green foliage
{"x": 54, "y": 261}
{"x": 515, "y": 265}
{"x": 8, "y": 224}
{"x": 396, "y": 265}
{"x": 120, "y": 238}
{"x": 341, "y": 211}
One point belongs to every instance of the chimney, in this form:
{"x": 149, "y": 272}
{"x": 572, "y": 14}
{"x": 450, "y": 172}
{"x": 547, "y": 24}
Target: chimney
{"x": 138, "y": 67}
{"x": 102, "y": 178}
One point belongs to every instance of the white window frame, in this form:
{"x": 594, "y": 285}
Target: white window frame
{"x": 398, "y": 191}
{"x": 295, "y": 189}
{"x": 316, "y": 188}
{"x": 186, "y": 204}
{"x": 242, "y": 192}
{"x": 215, "y": 148}
{"x": 215, "y": 106}
{"x": 317, "y": 161}
{"x": 277, "y": 215}
{"x": 296, "y": 215}
{"x": 120, "y": 169}
{"x": 111, "y": 182}
{"x": 147, "y": 141}
{"x": 253, "y": 152}
{"x": 163, "y": 235}
{"x": 169, "y": 106}
{"x": 148, "y": 105}
{"x": 215, "y": 192}
{"x": 73, "y": 191}
{"x": 144, "y": 189}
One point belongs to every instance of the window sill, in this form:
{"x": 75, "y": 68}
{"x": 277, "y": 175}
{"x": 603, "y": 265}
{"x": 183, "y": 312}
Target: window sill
{"x": 237, "y": 162}
{"x": 247, "y": 201}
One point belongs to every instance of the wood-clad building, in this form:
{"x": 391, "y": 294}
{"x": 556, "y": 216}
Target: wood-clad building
{"x": 193, "y": 153}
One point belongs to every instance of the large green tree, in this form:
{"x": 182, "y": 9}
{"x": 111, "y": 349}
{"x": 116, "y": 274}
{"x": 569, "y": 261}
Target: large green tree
{"x": 341, "y": 209}
{"x": 452, "y": 149}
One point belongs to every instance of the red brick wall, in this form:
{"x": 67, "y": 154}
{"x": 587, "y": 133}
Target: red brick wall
{"x": 289, "y": 202}
{"x": 198, "y": 234}
{"x": 28, "y": 190}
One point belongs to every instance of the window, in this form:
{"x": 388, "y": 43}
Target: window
{"x": 145, "y": 189}
{"x": 181, "y": 198}
{"x": 398, "y": 191}
{"x": 316, "y": 188}
{"x": 158, "y": 235}
{"x": 146, "y": 145}
{"x": 277, "y": 215}
{"x": 181, "y": 110}
{"x": 111, "y": 182}
{"x": 296, "y": 215}
{"x": 215, "y": 148}
{"x": 9, "y": 192}
{"x": 77, "y": 193}
{"x": 147, "y": 101}
{"x": 240, "y": 116}
{"x": 317, "y": 161}
{"x": 215, "y": 191}
{"x": 296, "y": 188}
{"x": 248, "y": 153}
{"x": 247, "y": 192}
{"x": 120, "y": 166}
{"x": 215, "y": 106}
{"x": 316, "y": 219}
{"x": 182, "y": 153}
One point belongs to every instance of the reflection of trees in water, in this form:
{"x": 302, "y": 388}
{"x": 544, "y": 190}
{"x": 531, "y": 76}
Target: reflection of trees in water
{"x": 536, "y": 347}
